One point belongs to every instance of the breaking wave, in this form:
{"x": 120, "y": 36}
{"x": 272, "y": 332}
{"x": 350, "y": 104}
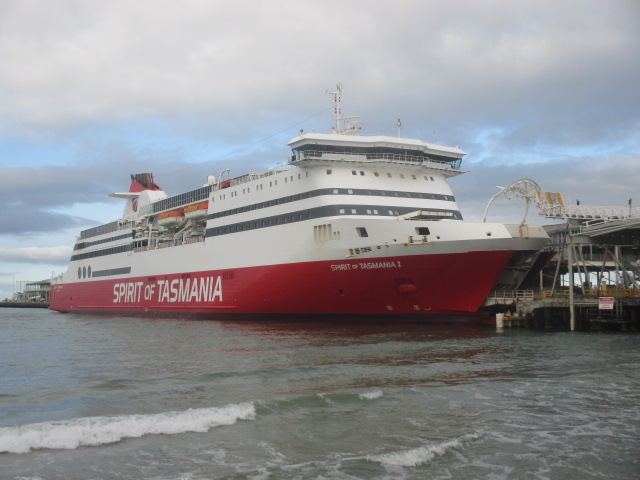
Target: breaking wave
{"x": 417, "y": 456}
{"x": 77, "y": 432}
{"x": 370, "y": 395}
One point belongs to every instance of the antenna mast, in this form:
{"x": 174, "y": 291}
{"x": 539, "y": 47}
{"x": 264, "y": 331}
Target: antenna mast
{"x": 337, "y": 109}
{"x": 352, "y": 126}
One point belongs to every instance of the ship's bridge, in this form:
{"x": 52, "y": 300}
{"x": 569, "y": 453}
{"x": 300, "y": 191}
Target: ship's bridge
{"x": 325, "y": 149}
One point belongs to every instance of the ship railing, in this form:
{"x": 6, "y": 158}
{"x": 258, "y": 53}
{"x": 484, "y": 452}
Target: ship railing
{"x": 250, "y": 177}
{"x": 389, "y": 158}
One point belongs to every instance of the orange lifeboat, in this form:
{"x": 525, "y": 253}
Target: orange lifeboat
{"x": 171, "y": 219}
{"x": 196, "y": 212}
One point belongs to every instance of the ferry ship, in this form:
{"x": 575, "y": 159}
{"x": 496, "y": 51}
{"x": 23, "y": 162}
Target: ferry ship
{"x": 353, "y": 225}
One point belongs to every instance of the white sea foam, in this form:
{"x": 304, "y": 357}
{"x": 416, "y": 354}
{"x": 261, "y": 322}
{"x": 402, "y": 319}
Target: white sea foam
{"x": 371, "y": 395}
{"x": 417, "y": 456}
{"x": 71, "y": 434}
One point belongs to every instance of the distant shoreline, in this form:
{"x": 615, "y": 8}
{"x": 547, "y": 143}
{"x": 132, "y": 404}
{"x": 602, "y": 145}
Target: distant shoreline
{"x": 25, "y": 304}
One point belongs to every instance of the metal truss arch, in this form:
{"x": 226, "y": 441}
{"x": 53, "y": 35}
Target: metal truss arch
{"x": 524, "y": 188}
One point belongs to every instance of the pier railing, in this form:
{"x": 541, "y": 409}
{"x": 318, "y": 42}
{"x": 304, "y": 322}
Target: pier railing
{"x": 510, "y": 296}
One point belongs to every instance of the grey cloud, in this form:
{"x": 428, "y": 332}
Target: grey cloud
{"x": 512, "y": 83}
{"x": 36, "y": 255}
{"x": 570, "y": 65}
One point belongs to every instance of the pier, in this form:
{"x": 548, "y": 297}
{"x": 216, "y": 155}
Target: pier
{"x": 586, "y": 278}
{"x": 546, "y": 309}
{"x": 11, "y": 304}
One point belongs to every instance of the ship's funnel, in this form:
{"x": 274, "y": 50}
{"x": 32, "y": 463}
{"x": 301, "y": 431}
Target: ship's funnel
{"x": 142, "y": 181}
{"x": 143, "y": 191}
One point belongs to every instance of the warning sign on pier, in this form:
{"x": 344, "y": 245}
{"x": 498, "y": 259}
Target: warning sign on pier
{"x": 606, "y": 303}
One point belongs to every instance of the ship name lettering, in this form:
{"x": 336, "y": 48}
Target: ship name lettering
{"x": 340, "y": 266}
{"x": 371, "y": 265}
{"x": 204, "y": 289}
{"x": 127, "y": 292}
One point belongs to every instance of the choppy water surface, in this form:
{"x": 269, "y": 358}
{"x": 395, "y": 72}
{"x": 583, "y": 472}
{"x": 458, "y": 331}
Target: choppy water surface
{"x": 118, "y": 398}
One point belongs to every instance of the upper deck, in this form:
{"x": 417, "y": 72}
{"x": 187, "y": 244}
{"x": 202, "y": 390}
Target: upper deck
{"x": 324, "y": 149}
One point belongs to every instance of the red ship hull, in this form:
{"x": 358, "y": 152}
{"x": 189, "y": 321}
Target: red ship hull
{"x": 426, "y": 285}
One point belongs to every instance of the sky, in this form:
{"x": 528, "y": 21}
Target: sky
{"x": 91, "y": 91}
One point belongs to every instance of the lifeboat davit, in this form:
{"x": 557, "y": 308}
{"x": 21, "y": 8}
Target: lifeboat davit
{"x": 171, "y": 219}
{"x": 196, "y": 212}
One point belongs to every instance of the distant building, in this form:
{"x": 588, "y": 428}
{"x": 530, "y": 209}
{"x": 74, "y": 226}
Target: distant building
{"x": 37, "y": 291}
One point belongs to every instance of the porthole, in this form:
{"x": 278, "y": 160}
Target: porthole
{"x": 79, "y": 272}
{"x": 89, "y": 271}
{"x": 84, "y": 272}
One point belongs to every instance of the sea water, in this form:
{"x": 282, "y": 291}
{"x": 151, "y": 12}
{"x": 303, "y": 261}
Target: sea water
{"x": 109, "y": 397}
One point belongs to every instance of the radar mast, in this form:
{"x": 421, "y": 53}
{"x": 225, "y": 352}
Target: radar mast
{"x": 352, "y": 125}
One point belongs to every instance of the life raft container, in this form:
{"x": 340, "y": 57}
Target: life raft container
{"x": 196, "y": 212}
{"x": 171, "y": 219}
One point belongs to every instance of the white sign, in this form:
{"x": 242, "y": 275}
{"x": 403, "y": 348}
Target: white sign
{"x": 606, "y": 303}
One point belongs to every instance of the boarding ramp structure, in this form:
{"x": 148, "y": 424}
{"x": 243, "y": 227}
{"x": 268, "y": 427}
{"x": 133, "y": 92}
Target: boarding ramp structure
{"x": 593, "y": 253}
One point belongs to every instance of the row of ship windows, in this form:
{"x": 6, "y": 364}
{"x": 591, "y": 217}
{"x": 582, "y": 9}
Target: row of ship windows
{"x": 80, "y": 246}
{"x": 100, "y": 253}
{"x": 85, "y": 272}
{"x": 260, "y": 186}
{"x": 106, "y": 228}
{"x": 376, "y": 174}
{"x": 274, "y": 183}
{"x": 186, "y": 198}
{"x": 332, "y": 191}
{"x": 327, "y": 211}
